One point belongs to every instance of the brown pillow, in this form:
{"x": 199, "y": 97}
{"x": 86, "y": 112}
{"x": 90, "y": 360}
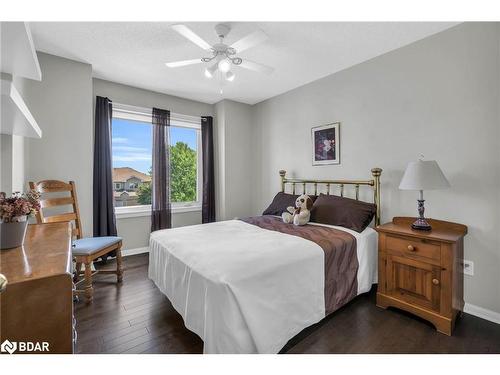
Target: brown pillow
{"x": 344, "y": 212}
{"x": 281, "y": 201}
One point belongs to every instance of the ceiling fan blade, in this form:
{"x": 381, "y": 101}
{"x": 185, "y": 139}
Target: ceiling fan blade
{"x": 177, "y": 64}
{"x": 261, "y": 68}
{"x": 249, "y": 41}
{"x": 187, "y": 33}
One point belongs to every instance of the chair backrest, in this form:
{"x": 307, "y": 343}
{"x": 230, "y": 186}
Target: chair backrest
{"x": 54, "y": 186}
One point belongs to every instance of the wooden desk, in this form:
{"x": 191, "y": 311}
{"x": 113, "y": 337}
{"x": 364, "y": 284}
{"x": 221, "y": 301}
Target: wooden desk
{"x": 37, "y": 304}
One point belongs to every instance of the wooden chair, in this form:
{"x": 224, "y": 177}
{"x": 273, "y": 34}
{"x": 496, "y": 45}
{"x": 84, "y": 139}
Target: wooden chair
{"x": 85, "y": 250}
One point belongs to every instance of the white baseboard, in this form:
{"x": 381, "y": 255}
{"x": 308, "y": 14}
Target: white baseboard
{"x": 137, "y": 250}
{"x": 483, "y": 313}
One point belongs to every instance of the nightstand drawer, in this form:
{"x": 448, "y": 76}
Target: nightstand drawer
{"x": 414, "y": 247}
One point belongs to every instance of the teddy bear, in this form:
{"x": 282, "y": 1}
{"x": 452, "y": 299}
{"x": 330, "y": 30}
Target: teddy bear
{"x": 301, "y": 214}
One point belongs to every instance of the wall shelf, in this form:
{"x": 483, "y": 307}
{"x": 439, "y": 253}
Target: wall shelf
{"x": 18, "y": 59}
{"x": 16, "y": 117}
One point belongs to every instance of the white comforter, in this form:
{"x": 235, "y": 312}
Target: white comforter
{"x": 241, "y": 288}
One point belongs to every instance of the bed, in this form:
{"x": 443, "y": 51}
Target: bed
{"x": 250, "y": 285}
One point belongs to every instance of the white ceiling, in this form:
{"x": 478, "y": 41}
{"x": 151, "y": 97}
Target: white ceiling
{"x": 134, "y": 53}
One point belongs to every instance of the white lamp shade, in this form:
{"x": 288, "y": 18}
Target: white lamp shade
{"x": 423, "y": 175}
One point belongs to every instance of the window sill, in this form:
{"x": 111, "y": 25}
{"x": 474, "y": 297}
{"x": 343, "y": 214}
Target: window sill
{"x": 129, "y": 212}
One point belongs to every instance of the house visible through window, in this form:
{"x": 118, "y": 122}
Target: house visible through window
{"x": 132, "y": 160}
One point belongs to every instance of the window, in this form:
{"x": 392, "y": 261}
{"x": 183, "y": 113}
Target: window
{"x": 132, "y": 161}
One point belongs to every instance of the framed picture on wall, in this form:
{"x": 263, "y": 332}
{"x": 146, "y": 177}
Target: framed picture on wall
{"x": 326, "y": 144}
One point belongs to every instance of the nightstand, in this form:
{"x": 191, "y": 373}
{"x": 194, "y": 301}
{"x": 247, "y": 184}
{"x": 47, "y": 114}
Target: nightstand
{"x": 422, "y": 271}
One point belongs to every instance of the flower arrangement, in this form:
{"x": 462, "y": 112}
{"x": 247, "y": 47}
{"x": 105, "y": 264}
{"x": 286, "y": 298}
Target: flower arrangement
{"x": 19, "y": 206}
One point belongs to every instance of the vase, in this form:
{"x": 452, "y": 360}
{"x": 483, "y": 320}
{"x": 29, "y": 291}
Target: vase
{"x": 12, "y": 234}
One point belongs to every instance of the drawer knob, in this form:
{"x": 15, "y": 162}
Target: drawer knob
{"x": 3, "y": 283}
{"x": 411, "y": 248}
{"x": 435, "y": 281}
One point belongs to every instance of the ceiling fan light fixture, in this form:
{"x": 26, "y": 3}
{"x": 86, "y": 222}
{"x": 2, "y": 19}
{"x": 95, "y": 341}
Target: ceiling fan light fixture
{"x": 230, "y": 76}
{"x": 224, "y": 65}
{"x": 209, "y": 72}
{"x": 221, "y": 56}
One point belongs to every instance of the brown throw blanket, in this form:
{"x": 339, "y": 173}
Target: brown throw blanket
{"x": 341, "y": 260}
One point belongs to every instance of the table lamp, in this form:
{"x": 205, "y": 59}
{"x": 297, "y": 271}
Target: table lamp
{"x": 423, "y": 175}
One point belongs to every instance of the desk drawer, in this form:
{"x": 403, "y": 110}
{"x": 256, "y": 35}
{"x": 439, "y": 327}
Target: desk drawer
{"x": 414, "y": 247}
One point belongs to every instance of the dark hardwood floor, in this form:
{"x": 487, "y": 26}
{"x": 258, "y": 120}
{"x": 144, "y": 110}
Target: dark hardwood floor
{"x": 134, "y": 317}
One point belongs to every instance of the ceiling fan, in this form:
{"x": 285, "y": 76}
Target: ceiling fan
{"x": 222, "y": 55}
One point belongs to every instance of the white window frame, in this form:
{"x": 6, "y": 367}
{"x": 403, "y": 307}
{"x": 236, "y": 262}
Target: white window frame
{"x": 133, "y": 113}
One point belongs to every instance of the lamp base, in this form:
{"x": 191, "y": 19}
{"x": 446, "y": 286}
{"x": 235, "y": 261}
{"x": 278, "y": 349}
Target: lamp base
{"x": 421, "y": 224}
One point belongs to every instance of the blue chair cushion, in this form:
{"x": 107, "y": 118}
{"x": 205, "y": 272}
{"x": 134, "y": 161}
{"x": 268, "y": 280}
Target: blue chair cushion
{"x": 89, "y": 246}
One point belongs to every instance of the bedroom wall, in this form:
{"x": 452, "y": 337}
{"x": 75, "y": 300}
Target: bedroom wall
{"x": 18, "y": 147}
{"x": 12, "y": 163}
{"x": 235, "y": 166}
{"x": 220, "y": 159}
{"x": 6, "y": 161}
{"x": 62, "y": 106}
{"x": 135, "y": 230}
{"x": 18, "y": 170}
{"x": 438, "y": 97}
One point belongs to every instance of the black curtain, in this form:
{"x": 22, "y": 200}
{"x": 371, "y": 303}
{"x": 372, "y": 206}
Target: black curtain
{"x": 161, "y": 212}
{"x": 104, "y": 216}
{"x": 207, "y": 140}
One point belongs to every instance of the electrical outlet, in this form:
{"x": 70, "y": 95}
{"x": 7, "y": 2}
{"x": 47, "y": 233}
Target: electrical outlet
{"x": 468, "y": 267}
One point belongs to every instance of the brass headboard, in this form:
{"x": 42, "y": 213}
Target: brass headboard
{"x": 374, "y": 183}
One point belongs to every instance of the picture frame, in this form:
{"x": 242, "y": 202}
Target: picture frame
{"x": 325, "y": 142}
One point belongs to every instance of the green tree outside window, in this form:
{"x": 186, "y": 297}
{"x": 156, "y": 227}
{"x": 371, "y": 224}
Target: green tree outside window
{"x": 183, "y": 162}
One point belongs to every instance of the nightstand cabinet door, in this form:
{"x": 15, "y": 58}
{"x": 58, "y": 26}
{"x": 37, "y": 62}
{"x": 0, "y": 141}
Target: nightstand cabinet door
{"x": 414, "y": 282}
